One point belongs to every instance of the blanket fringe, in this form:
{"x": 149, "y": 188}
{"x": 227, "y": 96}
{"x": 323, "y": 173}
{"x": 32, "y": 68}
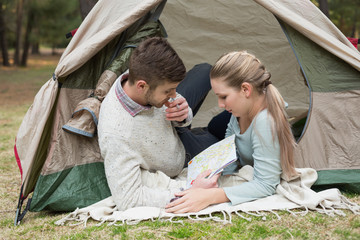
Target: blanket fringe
{"x": 118, "y": 225}
{"x": 277, "y": 215}
{"x": 172, "y": 221}
{"x": 333, "y": 205}
{"x": 302, "y": 213}
{"x": 224, "y": 220}
{"x": 353, "y": 207}
{"x": 330, "y": 211}
{"x": 101, "y": 223}
{"x": 200, "y": 217}
{"x": 240, "y": 215}
{"x": 80, "y": 218}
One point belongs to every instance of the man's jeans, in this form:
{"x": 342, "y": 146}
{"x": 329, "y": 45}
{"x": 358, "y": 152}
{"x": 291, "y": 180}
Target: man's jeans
{"x": 194, "y": 88}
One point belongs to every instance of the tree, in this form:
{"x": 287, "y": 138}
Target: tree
{"x": 343, "y": 13}
{"x": 324, "y": 7}
{"x": 59, "y": 17}
{"x": 19, "y": 17}
{"x": 86, "y": 6}
{"x": 46, "y": 22}
{"x": 29, "y": 27}
{"x": 355, "y": 23}
{"x": 3, "y": 40}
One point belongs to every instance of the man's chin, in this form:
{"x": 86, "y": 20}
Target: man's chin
{"x": 157, "y": 105}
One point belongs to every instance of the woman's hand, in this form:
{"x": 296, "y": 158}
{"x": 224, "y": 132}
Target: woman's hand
{"x": 191, "y": 200}
{"x": 196, "y": 199}
{"x": 202, "y": 181}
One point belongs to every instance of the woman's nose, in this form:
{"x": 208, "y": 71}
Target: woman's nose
{"x": 221, "y": 103}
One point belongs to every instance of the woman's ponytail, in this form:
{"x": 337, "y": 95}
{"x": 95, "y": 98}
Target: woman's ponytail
{"x": 276, "y": 108}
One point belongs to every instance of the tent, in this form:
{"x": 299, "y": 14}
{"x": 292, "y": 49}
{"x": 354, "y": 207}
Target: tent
{"x": 56, "y": 146}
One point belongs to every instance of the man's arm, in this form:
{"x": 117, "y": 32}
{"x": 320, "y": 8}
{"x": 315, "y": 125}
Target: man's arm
{"x": 129, "y": 183}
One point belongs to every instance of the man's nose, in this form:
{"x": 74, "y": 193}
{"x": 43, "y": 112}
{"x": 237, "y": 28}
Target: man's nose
{"x": 172, "y": 94}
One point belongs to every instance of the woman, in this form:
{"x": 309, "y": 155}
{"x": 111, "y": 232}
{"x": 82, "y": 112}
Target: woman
{"x": 263, "y": 137}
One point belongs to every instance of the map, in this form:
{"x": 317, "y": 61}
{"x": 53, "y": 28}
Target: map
{"x": 216, "y": 157}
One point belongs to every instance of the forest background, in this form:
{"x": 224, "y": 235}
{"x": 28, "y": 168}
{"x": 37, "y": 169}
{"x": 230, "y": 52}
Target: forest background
{"x": 32, "y": 37}
{"x": 28, "y": 25}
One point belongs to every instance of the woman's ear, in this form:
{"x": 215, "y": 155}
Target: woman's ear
{"x": 246, "y": 88}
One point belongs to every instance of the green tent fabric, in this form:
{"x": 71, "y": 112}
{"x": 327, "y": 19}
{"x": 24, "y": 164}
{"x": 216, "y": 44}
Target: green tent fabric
{"x": 327, "y": 74}
{"x": 60, "y": 160}
{"x": 294, "y": 40}
{"x": 61, "y": 187}
{"x": 67, "y": 170}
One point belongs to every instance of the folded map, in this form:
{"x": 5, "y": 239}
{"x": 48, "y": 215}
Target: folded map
{"x": 216, "y": 157}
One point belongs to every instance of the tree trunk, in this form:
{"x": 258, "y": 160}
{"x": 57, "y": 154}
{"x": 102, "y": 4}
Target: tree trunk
{"x": 53, "y": 50}
{"x": 353, "y": 30}
{"x": 324, "y": 7}
{"x": 19, "y": 15}
{"x": 35, "y": 48}
{"x": 3, "y": 43}
{"x": 29, "y": 26}
{"x": 86, "y": 6}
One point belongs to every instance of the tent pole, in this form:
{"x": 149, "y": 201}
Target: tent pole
{"x": 20, "y": 215}
{"x": 20, "y": 202}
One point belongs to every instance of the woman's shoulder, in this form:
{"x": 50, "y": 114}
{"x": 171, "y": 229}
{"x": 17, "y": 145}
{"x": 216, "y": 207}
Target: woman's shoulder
{"x": 263, "y": 121}
{"x": 264, "y": 117}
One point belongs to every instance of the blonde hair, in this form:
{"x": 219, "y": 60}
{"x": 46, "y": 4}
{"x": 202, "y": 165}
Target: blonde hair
{"x": 235, "y": 68}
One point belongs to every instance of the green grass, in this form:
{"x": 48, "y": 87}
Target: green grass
{"x": 16, "y": 97}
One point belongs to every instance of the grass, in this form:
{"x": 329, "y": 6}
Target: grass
{"x": 17, "y": 90}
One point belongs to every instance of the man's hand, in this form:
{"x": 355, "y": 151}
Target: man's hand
{"x": 177, "y": 110}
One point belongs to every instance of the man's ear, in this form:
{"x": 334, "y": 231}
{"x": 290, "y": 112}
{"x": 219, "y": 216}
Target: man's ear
{"x": 141, "y": 85}
{"x": 246, "y": 88}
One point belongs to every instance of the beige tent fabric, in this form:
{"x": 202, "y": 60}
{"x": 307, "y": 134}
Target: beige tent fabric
{"x": 105, "y": 21}
{"x": 28, "y": 137}
{"x": 322, "y": 147}
{"x": 201, "y": 31}
{"x": 61, "y": 145}
{"x": 105, "y": 82}
{"x": 312, "y": 23}
{"x": 85, "y": 117}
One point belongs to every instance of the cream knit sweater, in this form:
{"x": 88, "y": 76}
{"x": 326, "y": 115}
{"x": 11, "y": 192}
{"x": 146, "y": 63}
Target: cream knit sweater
{"x": 141, "y": 155}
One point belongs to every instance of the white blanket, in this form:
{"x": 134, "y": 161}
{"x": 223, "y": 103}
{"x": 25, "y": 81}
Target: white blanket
{"x": 293, "y": 194}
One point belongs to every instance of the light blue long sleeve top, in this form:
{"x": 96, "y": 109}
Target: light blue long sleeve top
{"x": 256, "y": 147}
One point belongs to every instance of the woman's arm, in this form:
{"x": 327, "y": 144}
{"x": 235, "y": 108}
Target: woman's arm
{"x": 196, "y": 199}
{"x": 267, "y": 168}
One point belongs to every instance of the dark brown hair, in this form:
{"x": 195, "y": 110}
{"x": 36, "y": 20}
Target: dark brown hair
{"x": 155, "y": 61}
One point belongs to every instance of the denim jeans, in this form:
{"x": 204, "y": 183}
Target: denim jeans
{"x": 194, "y": 88}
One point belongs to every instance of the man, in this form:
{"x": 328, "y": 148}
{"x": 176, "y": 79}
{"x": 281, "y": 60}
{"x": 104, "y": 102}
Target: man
{"x": 139, "y": 143}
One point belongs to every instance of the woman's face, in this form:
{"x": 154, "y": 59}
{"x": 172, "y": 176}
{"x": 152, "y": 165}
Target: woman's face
{"x": 233, "y": 100}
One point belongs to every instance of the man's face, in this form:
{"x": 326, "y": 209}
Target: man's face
{"x": 161, "y": 94}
